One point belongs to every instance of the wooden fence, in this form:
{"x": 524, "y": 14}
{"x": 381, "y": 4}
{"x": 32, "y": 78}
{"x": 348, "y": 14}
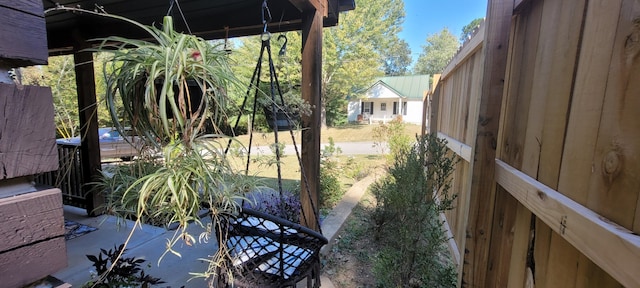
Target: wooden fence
{"x": 541, "y": 107}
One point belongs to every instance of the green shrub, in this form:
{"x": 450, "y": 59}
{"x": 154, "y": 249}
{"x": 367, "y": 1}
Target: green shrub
{"x": 392, "y": 135}
{"x": 115, "y": 180}
{"x": 409, "y": 201}
{"x": 331, "y": 190}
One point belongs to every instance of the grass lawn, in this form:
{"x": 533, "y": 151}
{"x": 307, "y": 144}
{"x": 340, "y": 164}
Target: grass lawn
{"x": 353, "y": 168}
{"x": 348, "y": 133}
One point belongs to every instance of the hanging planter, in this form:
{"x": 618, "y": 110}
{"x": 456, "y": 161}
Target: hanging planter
{"x": 169, "y": 87}
{"x": 283, "y": 121}
{"x": 287, "y": 114}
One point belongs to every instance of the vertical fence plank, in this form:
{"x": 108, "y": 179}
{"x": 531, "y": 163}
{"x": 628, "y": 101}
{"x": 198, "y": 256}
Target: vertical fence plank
{"x": 483, "y": 182}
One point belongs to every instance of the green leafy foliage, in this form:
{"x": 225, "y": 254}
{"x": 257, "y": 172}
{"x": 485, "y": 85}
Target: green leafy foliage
{"x": 393, "y": 135}
{"x": 467, "y": 30}
{"x": 436, "y": 53}
{"x": 116, "y": 180}
{"x": 331, "y": 190}
{"x": 409, "y": 201}
{"x": 115, "y": 271}
{"x": 363, "y": 46}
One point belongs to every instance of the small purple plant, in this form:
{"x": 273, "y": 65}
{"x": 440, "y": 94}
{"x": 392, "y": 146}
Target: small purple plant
{"x": 286, "y": 206}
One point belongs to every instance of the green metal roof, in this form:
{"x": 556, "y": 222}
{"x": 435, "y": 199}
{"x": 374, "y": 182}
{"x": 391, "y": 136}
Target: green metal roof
{"x": 411, "y": 87}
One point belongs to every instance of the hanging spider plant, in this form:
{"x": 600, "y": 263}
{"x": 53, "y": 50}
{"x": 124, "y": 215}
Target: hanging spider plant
{"x": 151, "y": 79}
{"x": 155, "y": 81}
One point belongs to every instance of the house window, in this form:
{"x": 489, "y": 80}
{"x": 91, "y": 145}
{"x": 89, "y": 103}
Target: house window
{"x": 367, "y": 107}
{"x": 395, "y": 108}
{"x": 404, "y": 108}
{"x": 383, "y": 106}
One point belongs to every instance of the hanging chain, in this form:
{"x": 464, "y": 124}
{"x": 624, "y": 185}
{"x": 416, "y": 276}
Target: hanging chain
{"x": 171, "y": 2}
{"x": 266, "y": 19}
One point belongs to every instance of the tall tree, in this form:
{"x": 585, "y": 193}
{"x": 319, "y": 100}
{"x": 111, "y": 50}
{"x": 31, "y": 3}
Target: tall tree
{"x": 362, "y": 47}
{"x": 436, "y": 53}
{"x": 467, "y": 30}
{"x": 357, "y": 51}
{"x": 397, "y": 59}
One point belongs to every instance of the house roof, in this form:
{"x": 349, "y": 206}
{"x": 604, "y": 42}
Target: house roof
{"x": 411, "y": 87}
{"x": 206, "y": 18}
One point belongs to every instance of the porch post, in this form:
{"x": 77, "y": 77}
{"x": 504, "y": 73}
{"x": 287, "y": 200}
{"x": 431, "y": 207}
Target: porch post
{"x": 90, "y": 145}
{"x": 311, "y": 92}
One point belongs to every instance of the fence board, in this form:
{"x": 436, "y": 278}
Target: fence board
{"x": 612, "y": 247}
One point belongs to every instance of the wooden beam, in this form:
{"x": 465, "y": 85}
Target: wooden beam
{"x": 311, "y": 5}
{"x": 23, "y": 30}
{"x": 481, "y": 205}
{"x": 28, "y": 138}
{"x": 311, "y": 124}
{"x": 90, "y": 145}
{"x": 612, "y": 247}
{"x": 461, "y": 149}
{"x": 33, "y": 244}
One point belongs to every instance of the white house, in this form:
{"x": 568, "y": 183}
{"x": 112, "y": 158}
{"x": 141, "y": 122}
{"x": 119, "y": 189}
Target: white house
{"x": 389, "y": 98}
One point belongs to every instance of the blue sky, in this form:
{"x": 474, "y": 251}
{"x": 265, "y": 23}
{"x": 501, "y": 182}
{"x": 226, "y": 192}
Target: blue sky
{"x": 427, "y": 17}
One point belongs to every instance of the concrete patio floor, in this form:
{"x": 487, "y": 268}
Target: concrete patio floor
{"x": 149, "y": 242}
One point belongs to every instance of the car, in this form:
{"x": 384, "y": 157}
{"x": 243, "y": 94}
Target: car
{"x": 112, "y": 144}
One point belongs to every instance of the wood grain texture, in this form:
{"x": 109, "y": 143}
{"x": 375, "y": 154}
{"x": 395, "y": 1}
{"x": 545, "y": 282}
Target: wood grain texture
{"x": 469, "y": 49}
{"x": 31, "y": 217}
{"x": 596, "y": 48}
{"x": 27, "y": 138}
{"x": 610, "y": 246}
{"x": 24, "y": 35}
{"x": 311, "y": 88}
{"x": 461, "y": 149}
{"x": 33, "y": 7}
{"x": 482, "y": 192}
{"x": 90, "y": 144}
{"x": 25, "y": 265}
{"x": 613, "y": 190}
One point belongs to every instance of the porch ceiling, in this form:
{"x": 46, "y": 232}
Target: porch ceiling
{"x": 206, "y": 18}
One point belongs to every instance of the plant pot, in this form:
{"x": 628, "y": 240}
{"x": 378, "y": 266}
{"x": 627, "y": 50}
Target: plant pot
{"x": 195, "y": 97}
{"x": 281, "y": 122}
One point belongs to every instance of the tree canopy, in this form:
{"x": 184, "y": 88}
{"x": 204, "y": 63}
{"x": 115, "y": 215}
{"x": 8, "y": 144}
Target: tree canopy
{"x": 365, "y": 45}
{"x": 436, "y": 53}
{"x": 467, "y": 30}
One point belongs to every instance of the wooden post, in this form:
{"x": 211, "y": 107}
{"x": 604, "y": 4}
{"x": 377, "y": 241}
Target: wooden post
{"x": 311, "y": 92}
{"x": 483, "y": 188}
{"x": 90, "y": 145}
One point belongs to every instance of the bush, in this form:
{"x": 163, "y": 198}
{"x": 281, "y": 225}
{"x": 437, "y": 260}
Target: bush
{"x": 393, "y": 134}
{"x": 409, "y": 200}
{"x": 331, "y": 190}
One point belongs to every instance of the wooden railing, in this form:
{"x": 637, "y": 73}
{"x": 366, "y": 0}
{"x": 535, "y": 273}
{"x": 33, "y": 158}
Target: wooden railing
{"x": 68, "y": 178}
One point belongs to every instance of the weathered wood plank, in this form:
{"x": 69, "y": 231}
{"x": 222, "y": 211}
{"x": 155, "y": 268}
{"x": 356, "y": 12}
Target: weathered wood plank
{"x": 311, "y": 87}
{"x": 468, "y": 50}
{"x": 27, "y": 138}
{"x": 611, "y": 246}
{"x": 33, "y": 7}
{"x": 617, "y": 155}
{"x": 24, "y": 38}
{"x": 310, "y": 5}
{"x": 27, "y": 264}
{"x": 482, "y": 192}
{"x": 31, "y": 217}
{"x": 596, "y": 48}
{"x": 90, "y": 143}
{"x": 517, "y": 275}
{"x": 461, "y": 149}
